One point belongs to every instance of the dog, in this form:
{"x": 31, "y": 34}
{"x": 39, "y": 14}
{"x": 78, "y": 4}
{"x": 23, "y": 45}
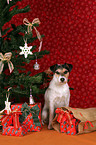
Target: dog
{"x": 57, "y": 94}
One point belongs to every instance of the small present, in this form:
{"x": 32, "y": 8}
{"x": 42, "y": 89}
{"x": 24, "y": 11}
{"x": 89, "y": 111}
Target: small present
{"x": 31, "y": 115}
{"x": 12, "y": 126}
{"x": 68, "y": 123}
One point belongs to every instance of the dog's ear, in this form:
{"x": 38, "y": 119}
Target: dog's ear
{"x": 53, "y": 68}
{"x": 68, "y": 66}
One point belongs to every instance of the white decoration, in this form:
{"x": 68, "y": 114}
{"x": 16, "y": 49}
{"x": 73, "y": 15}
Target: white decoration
{"x": 8, "y": 1}
{"x": 7, "y": 103}
{"x": 7, "y": 107}
{"x": 31, "y": 100}
{"x": 25, "y": 50}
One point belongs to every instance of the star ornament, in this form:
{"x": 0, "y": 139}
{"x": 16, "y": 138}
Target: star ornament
{"x": 25, "y": 50}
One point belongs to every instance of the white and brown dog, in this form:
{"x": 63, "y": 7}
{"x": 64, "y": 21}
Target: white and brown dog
{"x": 58, "y": 93}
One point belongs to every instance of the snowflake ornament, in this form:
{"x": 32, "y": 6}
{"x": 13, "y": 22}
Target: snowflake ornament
{"x": 25, "y": 50}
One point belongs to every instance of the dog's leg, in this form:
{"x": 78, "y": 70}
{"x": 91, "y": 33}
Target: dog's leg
{"x": 44, "y": 114}
{"x": 51, "y": 115}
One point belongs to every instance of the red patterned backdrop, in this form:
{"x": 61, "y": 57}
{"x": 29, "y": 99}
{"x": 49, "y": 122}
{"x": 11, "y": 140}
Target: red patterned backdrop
{"x": 69, "y": 27}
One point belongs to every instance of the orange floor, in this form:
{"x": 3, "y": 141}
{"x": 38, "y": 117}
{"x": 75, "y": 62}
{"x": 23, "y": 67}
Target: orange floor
{"x": 49, "y": 137}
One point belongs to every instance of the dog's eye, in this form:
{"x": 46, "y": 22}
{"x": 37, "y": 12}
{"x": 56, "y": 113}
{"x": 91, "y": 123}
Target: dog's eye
{"x": 57, "y": 72}
{"x": 65, "y": 72}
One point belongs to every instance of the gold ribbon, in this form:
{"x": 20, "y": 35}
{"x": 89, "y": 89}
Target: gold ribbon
{"x": 6, "y": 57}
{"x": 35, "y": 21}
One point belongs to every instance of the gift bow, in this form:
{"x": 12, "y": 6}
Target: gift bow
{"x": 6, "y": 57}
{"x": 64, "y": 116}
{"x": 35, "y": 21}
{"x": 26, "y": 110}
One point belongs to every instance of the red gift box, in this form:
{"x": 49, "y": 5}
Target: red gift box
{"x": 68, "y": 123}
{"x": 11, "y": 126}
{"x": 29, "y": 120}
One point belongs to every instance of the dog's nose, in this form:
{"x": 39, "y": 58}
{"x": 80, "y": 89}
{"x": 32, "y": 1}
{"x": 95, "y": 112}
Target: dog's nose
{"x": 62, "y": 79}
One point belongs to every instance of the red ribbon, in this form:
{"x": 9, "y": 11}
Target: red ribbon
{"x": 64, "y": 116}
{"x": 86, "y": 126}
{"x": 15, "y": 117}
{"x": 16, "y": 123}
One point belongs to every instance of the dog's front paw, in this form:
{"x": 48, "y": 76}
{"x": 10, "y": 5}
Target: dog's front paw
{"x": 49, "y": 126}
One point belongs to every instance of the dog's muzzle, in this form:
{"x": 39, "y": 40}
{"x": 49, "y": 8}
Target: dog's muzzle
{"x": 62, "y": 79}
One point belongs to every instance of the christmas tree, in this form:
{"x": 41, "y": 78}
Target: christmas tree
{"x": 14, "y": 54}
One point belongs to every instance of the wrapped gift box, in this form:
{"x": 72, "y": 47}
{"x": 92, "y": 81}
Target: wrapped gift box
{"x": 11, "y": 125}
{"x": 33, "y": 119}
{"x": 68, "y": 123}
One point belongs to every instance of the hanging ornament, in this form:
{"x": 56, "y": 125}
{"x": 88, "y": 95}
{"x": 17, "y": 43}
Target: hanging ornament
{"x": 8, "y": 1}
{"x": 36, "y": 65}
{"x": 31, "y": 100}
{"x": 25, "y": 50}
{"x": 7, "y": 103}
